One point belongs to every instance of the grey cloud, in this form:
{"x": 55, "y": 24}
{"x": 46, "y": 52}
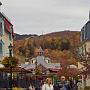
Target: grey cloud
{"x": 35, "y": 16}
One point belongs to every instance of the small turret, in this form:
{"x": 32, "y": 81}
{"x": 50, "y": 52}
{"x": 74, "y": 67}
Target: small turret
{"x": 40, "y": 52}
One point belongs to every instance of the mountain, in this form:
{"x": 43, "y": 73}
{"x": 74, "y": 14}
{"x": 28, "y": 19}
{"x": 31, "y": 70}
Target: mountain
{"x": 26, "y": 45}
{"x": 72, "y": 36}
{"x": 62, "y": 34}
{"x": 19, "y": 37}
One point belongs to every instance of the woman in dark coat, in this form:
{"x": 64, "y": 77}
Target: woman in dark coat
{"x": 62, "y": 84}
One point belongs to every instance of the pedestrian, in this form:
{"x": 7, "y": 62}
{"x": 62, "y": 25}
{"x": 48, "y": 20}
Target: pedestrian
{"x": 31, "y": 87}
{"x": 62, "y": 84}
{"x": 47, "y": 85}
{"x": 71, "y": 83}
{"x": 75, "y": 84}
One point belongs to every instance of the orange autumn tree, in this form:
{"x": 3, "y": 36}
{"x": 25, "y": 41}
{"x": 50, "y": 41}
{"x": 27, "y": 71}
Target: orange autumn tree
{"x": 36, "y": 51}
{"x": 66, "y": 59}
{"x": 54, "y": 55}
{"x": 46, "y": 53}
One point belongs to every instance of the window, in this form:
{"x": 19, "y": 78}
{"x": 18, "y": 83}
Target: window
{"x": 10, "y": 36}
{"x": 0, "y": 48}
{"x": 0, "y": 28}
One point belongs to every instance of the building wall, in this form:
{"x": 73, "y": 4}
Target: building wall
{"x": 85, "y": 32}
{"x": 88, "y": 30}
{"x": 88, "y": 80}
{"x": 4, "y": 40}
{"x": 88, "y": 46}
{"x": 85, "y": 38}
{"x": 84, "y": 48}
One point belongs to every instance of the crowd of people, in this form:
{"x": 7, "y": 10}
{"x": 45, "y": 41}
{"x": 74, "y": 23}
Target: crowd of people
{"x": 62, "y": 84}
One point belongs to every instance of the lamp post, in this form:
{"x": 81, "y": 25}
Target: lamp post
{"x": 10, "y": 50}
{"x": 10, "y": 55}
{"x": 36, "y": 71}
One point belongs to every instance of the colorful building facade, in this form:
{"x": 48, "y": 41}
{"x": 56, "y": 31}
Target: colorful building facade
{"x": 85, "y": 38}
{"x": 84, "y": 53}
{"x": 6, "y": 35}
{"x": 43, "y": 62}
{"x": 41, "y": 67}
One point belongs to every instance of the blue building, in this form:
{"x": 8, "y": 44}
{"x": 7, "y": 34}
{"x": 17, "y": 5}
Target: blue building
{"x": 85, "y": 38}
{"x": 84, "y": 52}
{"x": 85, "y": 31}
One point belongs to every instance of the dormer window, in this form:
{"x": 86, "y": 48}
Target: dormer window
{"x": 47, "y": 60}
{"x": 10, "y": 36}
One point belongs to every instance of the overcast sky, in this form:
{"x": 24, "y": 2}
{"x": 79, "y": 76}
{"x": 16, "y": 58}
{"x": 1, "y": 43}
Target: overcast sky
{"x": 43, "y": 16}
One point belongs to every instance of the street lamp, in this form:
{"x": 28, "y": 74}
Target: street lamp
{"x": 10, "y": 47}
{"x": 36, "y": 71}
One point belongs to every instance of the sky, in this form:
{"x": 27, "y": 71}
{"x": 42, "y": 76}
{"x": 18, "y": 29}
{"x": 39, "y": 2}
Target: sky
{"x": 46, "y": 16}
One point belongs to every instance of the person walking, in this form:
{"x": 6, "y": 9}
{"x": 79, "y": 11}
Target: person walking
{"x": 47, "y": 85}
{"x": 31, "y": 87}
{"x": 62, "y": 84}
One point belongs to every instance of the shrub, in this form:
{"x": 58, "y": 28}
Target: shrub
{"x": 10, "y": 61}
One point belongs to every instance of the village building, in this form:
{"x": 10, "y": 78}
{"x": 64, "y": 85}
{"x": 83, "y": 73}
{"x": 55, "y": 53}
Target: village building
{"x": 42, "y": 64}
{"x": 84, "y": 54}
{"x": 6, "y": 35}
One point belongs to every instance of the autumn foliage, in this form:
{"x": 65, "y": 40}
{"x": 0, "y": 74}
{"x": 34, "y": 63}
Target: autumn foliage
{"x": 10, "y": 62}
{"x": 59, "y": 47}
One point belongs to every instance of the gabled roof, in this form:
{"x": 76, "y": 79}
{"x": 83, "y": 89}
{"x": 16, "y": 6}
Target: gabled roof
{"x": 41, "y": 60}
{"x": 7, "y": 23}
{"x": 5, "y": 17}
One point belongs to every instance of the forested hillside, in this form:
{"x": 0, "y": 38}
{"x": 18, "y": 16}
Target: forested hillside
{"x": 54, "y": 44}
